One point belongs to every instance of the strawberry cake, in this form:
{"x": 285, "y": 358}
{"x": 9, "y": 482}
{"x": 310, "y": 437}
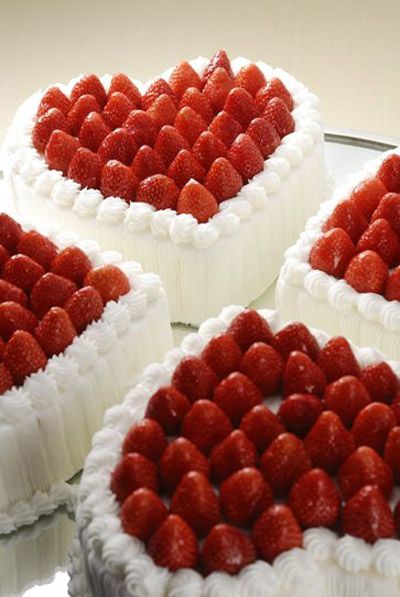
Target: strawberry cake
{"x": 260, "y": 458}
{"x": 76, "y": 328}
{"x": 205, "y": 174}
{"x": 343, "y": 274}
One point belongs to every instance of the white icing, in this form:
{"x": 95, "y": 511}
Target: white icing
{"x": 112, "y": 210}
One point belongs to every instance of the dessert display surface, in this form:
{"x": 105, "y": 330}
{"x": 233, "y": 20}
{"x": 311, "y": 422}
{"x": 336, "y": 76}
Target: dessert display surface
{"x": 76, "y": 325}
{"x": 343, "y": 274}
{"x": 204, "y": 171}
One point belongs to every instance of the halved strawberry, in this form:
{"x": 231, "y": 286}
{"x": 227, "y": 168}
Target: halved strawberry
{"x": 235, "y": 452}
{"x": 85, "y": 168}
{"x": 168, "y": 407}
{"x": 225, "y": 128}
{"x": 219, "y": 59}
{"x": 184, "y": 167}
{"x": 181, "y": 457}
{"x": 182, "y": 77}
{"x": 295, "y": 336}
{"x": 195, "y": 501}
{"x": 276, "y": 531}
{"x": 162, "y": 111}
{"x": 145, "y": 437}
{"x": 147, "y": 162}
{"x": 10, "y": 232}
{"x": 273, "y": 88}
{"x": 40, "y": 248}
{"x": 328, "y": 443}
{"x": 244, "y": 496}
{"x": 389, "y": 208}
{"x": 276, "y": 112}
{"x": 60, "y": 150}
{"x": 372, "y": 426}
{"x": 109, "y": 280}
{"x": 261, "y": 426}
{"x": 54, "y": 98}
{"x": 217, "y": 87}
{"x": 173, "y": 545}
{"x": 55, "y": 332}
{"x": 240, "y": 105}
{"x": 142, "y": 513}
{"x": 379, "y": 237}
{"x": 123, "y": 84}
{"x": 6, "y": 380}
{"x": 264, "y": 366}
{"x": 119, "y": 145}
{"x": 13, "y": 317}
{"x": 249, "y": 327}
{"x": 9, "y": 292}
{"x": 392, "y": 288}
{"x": 368, "y": 515}
{"x": 196, "y": 100}
{"x": 118, "y": 180}
{"x": 117, "y": 109}
{"x": 367, "y": 195}
{"x": 223, "y": 355}
{"x": 336, "y": 359}
{"x": 84, "y": 105}
{"x": 264, "y": 136}
{"x": 49, "y": 291}
{"x": 222, "y": 180}
{"x": 299, "y": 412}
{"x": 72, "y": 263}
{"x": 346, "y": 215}
{"x": 380, "y": 381}
{"x": 392, "y": 452}
{"x": 23, "y": 356}
{"x": 84, "y": 307}
{"x": 315, "y": 500}
{"x": 236, "y": 395}
{"x": 157, "y": 88}
{"x": 50, "y": 121}
{"x": 22, "y": 271}
{"x": 364, "y": 467}
{"x": 346, "y": 397}
{"x": 196, "y": 200}
{"x": 169, "y": 142}
{"x": 142, "y": 126}
{"x": 302, "y": 375}
{"x": 332, "y": 252}
{"x": 89, "y": 84}
{"x": 227, "y": 549}
{"x": 158, "y": 190}
{"x": 245, "y": 156}
{"x": 389, "y": 173}
{"x": 283, "y": 462}
{"x": 367, "y": 272}
{"x": 250, "y": 78}
{"x": 195, "y": 379}
{"x": 205, "y": 425}
{"x": 190, "y": 124}
{"x": 208, "y": 148}
{"x": 132, "y": 472}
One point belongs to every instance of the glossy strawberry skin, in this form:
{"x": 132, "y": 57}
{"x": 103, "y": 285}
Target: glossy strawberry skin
{"x": 245, "y": 156}
{"x": 302, "y": 375}
{"x": 195, "y": 379}
{"x": 380, "y": 382}
{"x": 208, "y": 148}
{"x": 72, "y": 263}
{"x": 379, "y": 237}
{"x": 364, "y": 467}
{"x": 336, "y": 359}
{"x": 142, "y": 126}
{"x": 389, "y": 173}
{"x": 272, "y": 89}
{"x": 145, "y": 437}
{"x": 276, "y": 531}
{"x": 225, "y": 128}
{"x": 120, "y": 82}
{"x": 328, "y": 443}
{"x": 133, "y": 472}
{"x": 277, "y": 113}
{"x": 185, "y": 167}
{"x": 222, "y": 180}
{"x": 109, "y": 280}
{"x": 168, "y": 407}
{"x": 84, "y": 307}
{"x": 367, "y": 272}
{"x": 38, "y": 247}
{"x": 147, "y": 162}
{"x": 118, "y": 180}
{"x": 10, "y": 232}
{"x": 174, "y": 544}
{"x": 346, "y": 397}
{"x": 299, "y": 412}
{"x": 389, "y": 209}
{"x": 244, "y": 496}
{"x": 50, "y": 121}
{"x": 346, "y": 215}
{"x": 55, "y": 331}
{"x": 235, "y": 452}
{"x": 392, "y": 452}
{"x": 240, "y": 105}
{"x": 295, "y": 336}
{"x": 249, "y": 327}
{"x": 119, "y": 145}
{"x": 158, "y": 190}
{"x": 54, "y": 98}
{"x": 372, "y": 426}
{"x": 22, "y": 271}
{"x": 250, "y": 78}
{"x": 183, "y": 77}
{"x": 49, "y": 291}
{"x": 332, "y": 252}
{"x": 205, "y": 425}
{"x": 91, "y": 84}
{"x": 367, "y": 515}
{"x": 197, "y": 100}
{"x": 190, "y": 124}
{"x": 157, "y": 88}
{"x": 181, "y": 457}
{"x": 261, "y": 426}
{"x": 227, "y": 549}
{"x": 283, "y": 462}
{"x": 236, "y": 394}
{"x": 264, "y": 136}
{"x": 367, "y": 195}
{"x": 60, "y": 150}
{"x": 264, "y": 366}
{"x": 196, "y": 200}
{"x": 83, "y": 106}
{"x": 13, "y": 317}
{"x": 217, "y": 88}
{"x": 169, "y": 143}
{"x": 93, "y": 130}
{"x": 117, "y": 109}
{"x": 162, "y": 111}
{"x": 218, "y": 60}
{"x": 23, "y": 356}
{"x": 85, "y": 168}
{"x": 314, "y": 500}
{"x": 9, "y": 292}
{"x": 392, "y": 288}
{"x": 142, "y": 513}
{"x": 222, "y": 354}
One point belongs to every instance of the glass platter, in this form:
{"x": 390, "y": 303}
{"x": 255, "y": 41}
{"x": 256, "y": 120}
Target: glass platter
{"x": 33, "y": 560}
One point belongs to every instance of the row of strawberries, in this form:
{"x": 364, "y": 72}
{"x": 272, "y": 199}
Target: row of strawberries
{"x": 47, "y": 298}
{"x": 216, "y": 130}
{"x": 211, "y": 430}
{"x": 362, "y": 235}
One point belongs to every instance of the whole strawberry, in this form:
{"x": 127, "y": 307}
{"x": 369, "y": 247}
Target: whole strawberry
{"x": 264, "y": 136}
{"x": 205, "y": 425}
{"x": 244, "y": 496}
{"x": 314, "y": 500}
{"x": 225, "y": 128}
{"x": 295, "y": 336}
{"x": 367, "y": 195}
{"x": 55, "y": 331}
{"x": 91, "y": 84}
{"x": 60, "y": 150}
{"x": 195, "y": 379}
{"x": 222, "y": 354}
{"x": 367, "y": 515}
{"x": 380, "y": 382}
{"x": 347, "y": 216}
{"x": 155, "y": 89}
{"x": 346, "y": 397}
{"x": 389, "y": 209}
{"x": 120, "y": 82}
{"x": 93, "y": 130}
{"x": 145, "y": 437}
{"x": 261, "y": 426}
{"x": 13, "y": 317}
{"x": 190, "y": 124}
{"x": 364, "y": 467}
{"x": 22, "y": 271}
{"x": 379, "y": 237}
{"x": 109, "y": 280}
{"x": 245, "y": 156}
{"x": 83, "y": 106}
{"x": 50, "y": 121}
{"x": 182, "y": 77}
{"x": 197, "y": 100}
{"x": 240, "y": 105}
{"x": 54, "y": 98}
{"x": 264, "y": 366}
{"x": 283, "y": 462}
{"x": 83, "y": 307}
{"x": 196, "y": 200}
{"x": 222, "y": 180}
{"x": 276, "y": 531}
{"x": 118, "y": 180}
{"x": 117, "y": 109}
{"x": 23, "y": 356}
{"x": 272, "y": 89}
{"x": 181, "y": 457}
{"x": 328, "y": 443}
{"x": 299, "y": 412}
{"x": 142, "y": 513}
{"x": 232, "y": 454}
{"x": 208, "y": 148}
{"x": 85, "y": 168}
{"x": 168, "y": 407}
{"x": 219, "y": 60}
{"x": 337, "y": 359}
{"x": 158, "y": 190}
{"x": 276, "y": 112}
{"x": 38, "y": 247}
{"x": 49, "y": 291}
{"x": 372, "y": 426}
{"x": 236, "y": 395}
{"x": 173, "y": 545}
{"x": 302, "y": 375}
{"x": 147, "y": 162}
{"x": 227, "y": 549}
{"x": 184, "y": 167}
{"x": 250, "y": 78}
{"x": 332, "y": 252}
{"x": 249, "y": 327}
{"x": 133, "y": 472}
{"x": 217, "y": 88}
{"x": 72, "y": 263}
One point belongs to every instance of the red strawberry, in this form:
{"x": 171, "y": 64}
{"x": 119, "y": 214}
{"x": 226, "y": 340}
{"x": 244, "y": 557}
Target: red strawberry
{"x": 389, "y": 173}
{"x": 395, "y": 406}
{"x": 276, "y": 531}
{"x": 169, "y": 142}
{"x": 85, "y": 168}
{"x": 194, "y": 378}
{"x": 109, "y": 280}
{"x": 225, "y": 128}
{"x": 223, "y": 181}
{"x": 119, "y": 145}
{"x": 217, "y": 88}
{"x": 264, "y": 366}
{"x": 379, "y": 237}
{"x": 196, "y": 200}
{"x": 328, "y": 443}
{"x": 295, "y": 336}
{"x": 54, "y": 98}
{"x": 336, "y": 359}
{"x": 89, "y": 84}
{"x": 157, "y": 88}
{"x": 392, "y": 452}
{"x": 332, "y": 252}
{"x": 93, "y": 131}
{"x": 273, "y": 88}
{"x": 367, "y": 272}
{"x": 219, "y": 59}
{"x": 117, "y": 109}
{"x": 174, "y": 545}
{"x": 49, "y": 291}
{"x": 392, "y": 288}
{"x": 314, "y": 500}
{"x": 184, "y": 167}
{"x": 168, "y": 407}
{"x": 22, "y": 271}
{"x": 244, "y": 496}
{"x": 227, "y": 549}
{"x": 367, "y": 195}
{"x": 79, "y": 111}
{"x": 208, "y": 148}
{"x": 245, "y": 156}
{"x": 50, "y": 121}
{"x": 195, "y": 501}
{"x": 367, "y": 515}
{"x": 299, "y": 412}
{"x": 232, "y": 454}
{"x": 380, "y": 381}
{"x": 198, "y": 102}
{"x": 389, "y": 209}
{"x": 55, "y": 332}
{"x": 9, "y": 292}
{"x": 240, "y": 105}
{"x": 364, "y": 467}
{"x": 223, "y": 355}
{"x": 250, "y": 78}
{"x": 158, "y": 190}
{"x": 283, "y": 462}
{"x": 162, "y": 111}
{"x": 264, "y": 136}
{"x": 302, "y": 376}
{"x": 13, "y": 317}
{"x": 38, "y": 247}
{"x": 236, "y": 395}
{"x": 142, "y": 513}
{"x": 10, "y": 233}
{"x": 346, "y": 215}
{"x": 147, "y": 162}
{"x": 146, "y": 437}
{"x": 72, "y": 263}
{"x": 261, "y": 426}
{"x": 179, "y": 458}
{"x": 4, "y": 255}
{"x": 118, "y": 180}
{"x": 60, "y": 150}
{"x": 84, "y": 306}
{"x": 2, "y": 347}
{"x": 6, "y": 381}
{"x": 277, "y": 113}
{"x": 132, "y": 472}
{"x": 142, "y": 126}
{"x": 346, "y": 397}
{"x": 182, "y": 77}
{"x": 23, "y": 356}
{"x": 249, "y": 327}
{"x": 372, "y": 426}
{"x": 190, "y": 124}
{"x": 397, "y": 517}
{"x": 123, "y": 84}
{"x": 205, "y": 424}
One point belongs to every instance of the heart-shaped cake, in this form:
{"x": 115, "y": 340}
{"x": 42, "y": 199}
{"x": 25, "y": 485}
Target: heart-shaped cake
{"x": 76, "y": 327}
{"x": 209, "y": 170}
{"x": 343, "y": 274}
{"x": 259, "y": 459}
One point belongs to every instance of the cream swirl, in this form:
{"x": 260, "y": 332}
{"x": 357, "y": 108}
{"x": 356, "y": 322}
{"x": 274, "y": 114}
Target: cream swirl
{"x": 386, "y": 557}
{"x": 192, "y": 344}
{"x": 41, "y": 389}
{"x": 83, "y": 351}
{"x": 353, "y": 554}
{"x": 240, "y": 207}
{"x": 14, "y": 404}
{"x": 138, "y": 216}
{"x": 161, "y": 220}
{"x": 118, "y": 315}
{"x": 136, "y": 301}
{"x": 148, "y": 283}
{"x": 87, "y": 203}
{"x": 102, "y": 334}
{"x": 320, "y": 543}
{"x": 112, "y": 210}
{"x": 45, "y": 182}
{"x": 226, "y": 223}
{"x": 259, "y": 580}
{"x": 341, "y": 296}
{"x": 65, "y": 192}
{"x": 205, "y": 235}
{"x": 278, "y": 164}
{"x": 185, "y": 582}
{"x": 294, "y": 567}
{"x": 255, "y": 194}
{"x": 317, "y": 284}
{"x": 181, "y": 228}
